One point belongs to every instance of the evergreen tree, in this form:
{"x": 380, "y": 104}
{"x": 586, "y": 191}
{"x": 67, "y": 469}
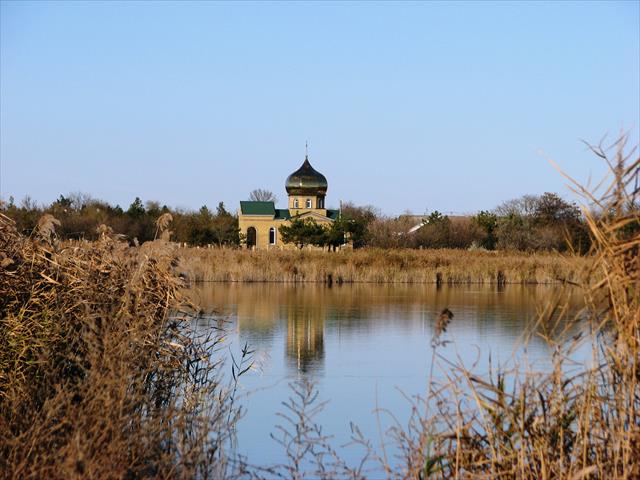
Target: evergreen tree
{"x": 136, "y": 209}
{"x": 304, "y": 232}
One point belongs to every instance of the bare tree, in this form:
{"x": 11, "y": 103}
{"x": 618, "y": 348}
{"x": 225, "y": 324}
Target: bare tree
{"x": 79, "y": 200}
{"x": 260, "y": 195}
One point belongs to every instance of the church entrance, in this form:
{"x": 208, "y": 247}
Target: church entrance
{"x": 251, "y": 237}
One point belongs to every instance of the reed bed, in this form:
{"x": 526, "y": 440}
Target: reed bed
{"x": 100, "y": 374}
{"x": 373, "y": 265}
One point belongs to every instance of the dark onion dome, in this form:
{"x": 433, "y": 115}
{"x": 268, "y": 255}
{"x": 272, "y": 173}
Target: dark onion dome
{"x": 306, "y": 181}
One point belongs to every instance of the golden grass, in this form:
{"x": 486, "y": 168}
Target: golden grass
{"x": 374, "y": 265}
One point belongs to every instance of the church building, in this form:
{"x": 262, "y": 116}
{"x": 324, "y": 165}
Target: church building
{"x": 306, "y": 188}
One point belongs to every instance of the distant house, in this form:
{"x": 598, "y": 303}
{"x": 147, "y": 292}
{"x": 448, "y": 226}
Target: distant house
{"x": 419, "y": 221}
{"x": 306, "y": 189}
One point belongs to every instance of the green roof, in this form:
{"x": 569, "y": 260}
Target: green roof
{"x": 282, "y": 214}
{"x": 333, "y": 214}
{"x": 257, "y": 208}
{"x": 268, "y": 209}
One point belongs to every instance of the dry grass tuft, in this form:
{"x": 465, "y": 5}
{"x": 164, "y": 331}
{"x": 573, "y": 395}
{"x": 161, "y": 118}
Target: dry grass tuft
{"x": 162, "y": 226}
{"x": 46, "y": 227}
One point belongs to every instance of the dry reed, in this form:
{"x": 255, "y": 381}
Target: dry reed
{"x": 574, "y": 422}
{"x": 374, "y": 265}
{"x": 99, "y": 377}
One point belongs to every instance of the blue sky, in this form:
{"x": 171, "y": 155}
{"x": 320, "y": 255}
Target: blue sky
{"x": 420, "y": 106}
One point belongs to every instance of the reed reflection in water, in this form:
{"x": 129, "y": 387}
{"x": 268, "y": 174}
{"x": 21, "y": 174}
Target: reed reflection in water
{"x": 302, "y": 315}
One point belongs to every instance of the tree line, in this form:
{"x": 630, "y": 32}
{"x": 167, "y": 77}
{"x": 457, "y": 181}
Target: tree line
{"x": 80, "y": 215}
{"x": 528, "y": 223}
{"x": 544, "y": 222}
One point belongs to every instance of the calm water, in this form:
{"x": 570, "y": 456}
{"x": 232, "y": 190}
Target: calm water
{"x": 363, "y": 344}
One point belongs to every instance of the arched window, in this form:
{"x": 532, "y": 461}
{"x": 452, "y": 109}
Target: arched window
{"x": 251, "y": 237}
{"x": 272, "y": 236}
{"x": 295, "y": 203}
{"x": 308, "y": 203}
{"x": 321, "y": 203}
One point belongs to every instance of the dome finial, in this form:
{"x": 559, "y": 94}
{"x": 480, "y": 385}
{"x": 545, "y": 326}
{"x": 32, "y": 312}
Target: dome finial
{"x": 306, "y": 150}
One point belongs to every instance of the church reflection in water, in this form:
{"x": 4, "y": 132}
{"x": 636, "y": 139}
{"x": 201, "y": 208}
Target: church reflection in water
{"x": 305, "y": 338}
{"x": 269, "y": 314}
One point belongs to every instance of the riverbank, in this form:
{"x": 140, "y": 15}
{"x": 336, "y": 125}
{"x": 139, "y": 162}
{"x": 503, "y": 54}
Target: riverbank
{"x": 446, "y": 266}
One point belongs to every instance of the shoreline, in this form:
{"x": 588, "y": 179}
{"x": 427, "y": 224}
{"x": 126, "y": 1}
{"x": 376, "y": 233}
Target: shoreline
{"x": 364, "y": 282}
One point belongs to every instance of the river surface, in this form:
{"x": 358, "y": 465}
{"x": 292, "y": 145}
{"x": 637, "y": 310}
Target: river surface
{"x": 365, "y": 346}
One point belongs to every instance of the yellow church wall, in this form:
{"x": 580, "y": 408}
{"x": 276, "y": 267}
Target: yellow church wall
{"x": 301, "y": 211}
{"x": 302, "y": 202}
{"x": 318, "y": 215}
{"x": 262, "y": 224}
